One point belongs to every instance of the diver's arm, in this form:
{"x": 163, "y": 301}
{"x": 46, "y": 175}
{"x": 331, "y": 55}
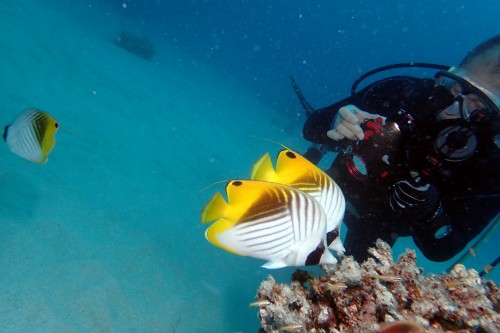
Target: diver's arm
{"x": 384, "y": 97}
{"x": 438, "y": 239}
{"x": 467, "y": 215}
{"x": 320, "y": 122}
{"x": 418, "y": 202}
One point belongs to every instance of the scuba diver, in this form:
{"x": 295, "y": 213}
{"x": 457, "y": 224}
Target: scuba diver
{"x": 416, "y": 157}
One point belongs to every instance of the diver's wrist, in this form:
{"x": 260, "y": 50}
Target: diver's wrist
{"x": 438, "y": 211}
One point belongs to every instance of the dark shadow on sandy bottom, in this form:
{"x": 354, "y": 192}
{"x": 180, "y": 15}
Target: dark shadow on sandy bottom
{"x": 138, "y": 45}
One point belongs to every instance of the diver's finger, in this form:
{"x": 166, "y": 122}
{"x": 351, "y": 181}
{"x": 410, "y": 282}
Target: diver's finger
{"x": 353, "y": 132}
{"x": 347, "y": 114}
{"x": 334, "y": 134}
{"x": 356, "y": 130}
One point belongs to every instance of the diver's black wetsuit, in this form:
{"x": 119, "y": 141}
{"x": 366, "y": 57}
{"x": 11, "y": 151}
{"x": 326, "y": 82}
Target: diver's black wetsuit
{"x": 468, "y": 189}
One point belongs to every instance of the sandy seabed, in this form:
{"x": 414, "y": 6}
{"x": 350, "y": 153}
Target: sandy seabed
{"x": 105, "y": 237}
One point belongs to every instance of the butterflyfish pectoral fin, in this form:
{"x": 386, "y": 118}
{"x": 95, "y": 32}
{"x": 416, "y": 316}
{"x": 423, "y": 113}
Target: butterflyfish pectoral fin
{"x": 216, "y": 229}
{"x": 214, "y": 208}
{"x": 337, "y": 246}
{"x": 328, "y": 258}
{"x": 263, "y": 169}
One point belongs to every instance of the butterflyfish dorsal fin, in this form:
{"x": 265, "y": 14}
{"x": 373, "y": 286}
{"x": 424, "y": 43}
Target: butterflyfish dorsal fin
{"x": 214, "y": 209}
{"x": 263, "y": 169}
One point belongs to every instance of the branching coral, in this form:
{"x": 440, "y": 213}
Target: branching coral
{"x": 363, "y": 298}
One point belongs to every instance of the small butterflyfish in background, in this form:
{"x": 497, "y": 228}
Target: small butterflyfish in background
{"x": 32, "y": 135}
{"x": 295, "y": 170}
{"x": 269, "y": 221}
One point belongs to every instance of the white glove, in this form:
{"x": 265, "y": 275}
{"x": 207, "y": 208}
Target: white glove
{"x": 347, "y": 123}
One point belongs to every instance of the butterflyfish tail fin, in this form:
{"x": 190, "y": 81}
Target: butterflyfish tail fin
{"x": 214, "y": 208}
{"x": 264, "y": 169}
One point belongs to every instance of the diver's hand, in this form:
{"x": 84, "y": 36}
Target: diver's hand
{"x": 347, "y": 123}
{"x": 415, "y": 199}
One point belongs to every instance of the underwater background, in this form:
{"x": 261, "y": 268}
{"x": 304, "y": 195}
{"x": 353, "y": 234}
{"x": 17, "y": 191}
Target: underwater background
{"x": 106, "y": 236}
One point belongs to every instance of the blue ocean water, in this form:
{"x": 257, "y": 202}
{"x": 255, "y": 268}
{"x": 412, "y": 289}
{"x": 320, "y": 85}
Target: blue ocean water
{"x": 106, "y": 237}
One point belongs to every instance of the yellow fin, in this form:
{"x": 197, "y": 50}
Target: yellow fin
{"x": 217, "y": 228}
{"x": 214, "y": 208}
{"x": 48, "y": 126}
{"x": 263, "y": 169}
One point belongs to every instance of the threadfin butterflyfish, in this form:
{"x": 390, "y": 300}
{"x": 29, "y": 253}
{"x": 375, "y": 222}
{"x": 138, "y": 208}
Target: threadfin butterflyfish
{"x": 295, "y": 170}
{"x": 32, "y": 135}
{"x": 269, "y": 221}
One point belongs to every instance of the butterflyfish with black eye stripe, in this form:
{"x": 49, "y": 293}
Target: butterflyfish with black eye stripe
{"x": 32, "y": 135}
{"x": 295, "y": 170}
{"x": 268, "y": 221}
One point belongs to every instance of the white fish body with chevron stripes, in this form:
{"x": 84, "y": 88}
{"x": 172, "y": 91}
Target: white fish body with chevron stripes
{"x": 269, "y": 221}
{"x": 32, "y": 135}
{"x": 295, "y": 170}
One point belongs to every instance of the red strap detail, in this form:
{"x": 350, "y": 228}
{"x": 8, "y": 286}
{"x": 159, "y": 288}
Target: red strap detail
{"x": 373, "y": 127}
{"x": 368, "y": 134}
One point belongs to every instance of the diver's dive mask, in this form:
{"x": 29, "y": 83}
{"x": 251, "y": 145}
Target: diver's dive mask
{"x": 472, "y": 113}
{"x": 473, "y": 104}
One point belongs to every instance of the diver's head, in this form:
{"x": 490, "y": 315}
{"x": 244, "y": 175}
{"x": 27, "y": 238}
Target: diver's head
{"x": 472, "y": 89}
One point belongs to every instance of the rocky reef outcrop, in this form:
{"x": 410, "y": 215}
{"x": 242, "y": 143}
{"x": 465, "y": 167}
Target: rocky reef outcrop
{"x": 366, "y": 297}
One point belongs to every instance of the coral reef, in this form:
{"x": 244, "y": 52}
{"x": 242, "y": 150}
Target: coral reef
{"x": 135, "y": 44}
{"x": 364, "y": 298}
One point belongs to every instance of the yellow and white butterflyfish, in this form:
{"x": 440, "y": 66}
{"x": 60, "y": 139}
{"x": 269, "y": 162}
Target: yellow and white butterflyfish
{"x": 269, "y": 221}
{"x": 32, "y": 135}
{"x": 295, "y": 170}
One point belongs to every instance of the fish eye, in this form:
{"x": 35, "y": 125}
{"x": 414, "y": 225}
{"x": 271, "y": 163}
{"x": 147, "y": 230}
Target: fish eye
{"x": 236, "y": 183}
{"x": 290, "y": 154}
{"x": 56, "y": 125}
